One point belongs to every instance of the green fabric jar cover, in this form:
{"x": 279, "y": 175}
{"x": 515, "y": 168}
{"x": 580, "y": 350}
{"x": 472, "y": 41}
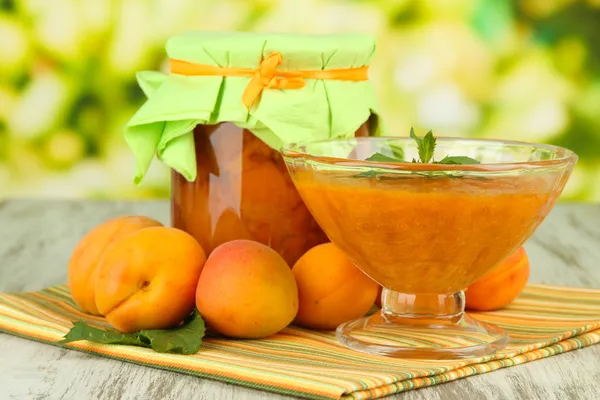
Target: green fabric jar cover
{"x": 320, "y": 110}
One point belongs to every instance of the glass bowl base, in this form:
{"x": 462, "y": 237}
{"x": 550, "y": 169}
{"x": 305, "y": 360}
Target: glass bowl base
{"x": 421, "y": 338}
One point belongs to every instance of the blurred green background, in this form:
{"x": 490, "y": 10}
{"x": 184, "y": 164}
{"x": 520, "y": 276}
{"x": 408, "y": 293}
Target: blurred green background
{"x": 527, "y": 70}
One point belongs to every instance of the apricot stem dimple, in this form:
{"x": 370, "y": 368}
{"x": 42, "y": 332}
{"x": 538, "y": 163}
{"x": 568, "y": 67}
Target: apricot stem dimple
{"x": 144, "y": 285}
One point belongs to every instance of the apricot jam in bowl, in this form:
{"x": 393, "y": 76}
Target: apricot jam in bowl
{"x": 427, "y": 229}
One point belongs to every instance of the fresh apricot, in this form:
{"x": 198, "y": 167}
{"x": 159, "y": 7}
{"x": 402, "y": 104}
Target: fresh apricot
{"x": 330, "y": 288}
{"x": 148, "y": 279}
{"x": 501, "y": 286}
{"x": 82, "y": 270}
{"x": 246, "y": 290}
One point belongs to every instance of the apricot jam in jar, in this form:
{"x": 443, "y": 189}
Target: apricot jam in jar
{"x": 220, "y": 115}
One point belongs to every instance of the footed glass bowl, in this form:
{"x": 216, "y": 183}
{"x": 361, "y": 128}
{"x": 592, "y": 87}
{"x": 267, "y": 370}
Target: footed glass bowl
{"x": 427, "y": 231}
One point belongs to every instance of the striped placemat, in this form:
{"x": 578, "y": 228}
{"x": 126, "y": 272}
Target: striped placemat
{"x": 544, "y": 321}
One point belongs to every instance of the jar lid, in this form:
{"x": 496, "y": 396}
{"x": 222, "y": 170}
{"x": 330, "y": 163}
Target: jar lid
{"x": 282, "y": 87}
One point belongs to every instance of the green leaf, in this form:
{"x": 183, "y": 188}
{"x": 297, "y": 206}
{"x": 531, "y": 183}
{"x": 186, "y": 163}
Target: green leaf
{"x": 458, "y": 160}
{"x": 185, "y": 339}
{"x": 425, "y": 145}
{"x": 367, "y": 174}
{"x": 82, "y": 331}
{"x": 426, "y": 148}
{"x": 415, "y": 137}
{"x": 397, "y": 151}
{"x": 383, "y": 158}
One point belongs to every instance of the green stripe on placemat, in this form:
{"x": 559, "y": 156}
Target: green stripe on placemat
{"x": 312, "y": 364}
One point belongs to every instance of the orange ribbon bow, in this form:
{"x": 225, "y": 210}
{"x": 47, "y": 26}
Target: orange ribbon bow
{"x": 267, "y": 75}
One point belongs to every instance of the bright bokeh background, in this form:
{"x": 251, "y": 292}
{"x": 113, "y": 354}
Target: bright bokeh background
{"x": 527, "y": 70}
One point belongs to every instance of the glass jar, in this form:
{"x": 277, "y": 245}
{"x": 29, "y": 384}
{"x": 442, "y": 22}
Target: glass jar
{"x": 228, "y": 103}
{"x": 243, "y": 191}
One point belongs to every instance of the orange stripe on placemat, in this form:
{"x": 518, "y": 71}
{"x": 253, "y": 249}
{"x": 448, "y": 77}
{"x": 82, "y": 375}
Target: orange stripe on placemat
{"x": 312, "y": 364}
{"x": 267, "y": 75}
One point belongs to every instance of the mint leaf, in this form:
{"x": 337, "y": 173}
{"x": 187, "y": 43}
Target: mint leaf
{"x": 415, "y": 137}
{"x": 425, "y": 145}
{"x": 458, "y": 160}
{"x": 382, "y": 158}
{"x": 397, "y": 151}
{"x": 185, "y": 339}
{"x": 398, "y": 157}
{"x": 367, "y": 174}
{"x": 427, "y": 148}
{"x": 82, "y": 331}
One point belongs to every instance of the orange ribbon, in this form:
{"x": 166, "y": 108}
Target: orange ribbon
{"x": 267, "y": 75}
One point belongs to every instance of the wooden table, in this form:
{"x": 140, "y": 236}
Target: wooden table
{"x": 37, "y": 237}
